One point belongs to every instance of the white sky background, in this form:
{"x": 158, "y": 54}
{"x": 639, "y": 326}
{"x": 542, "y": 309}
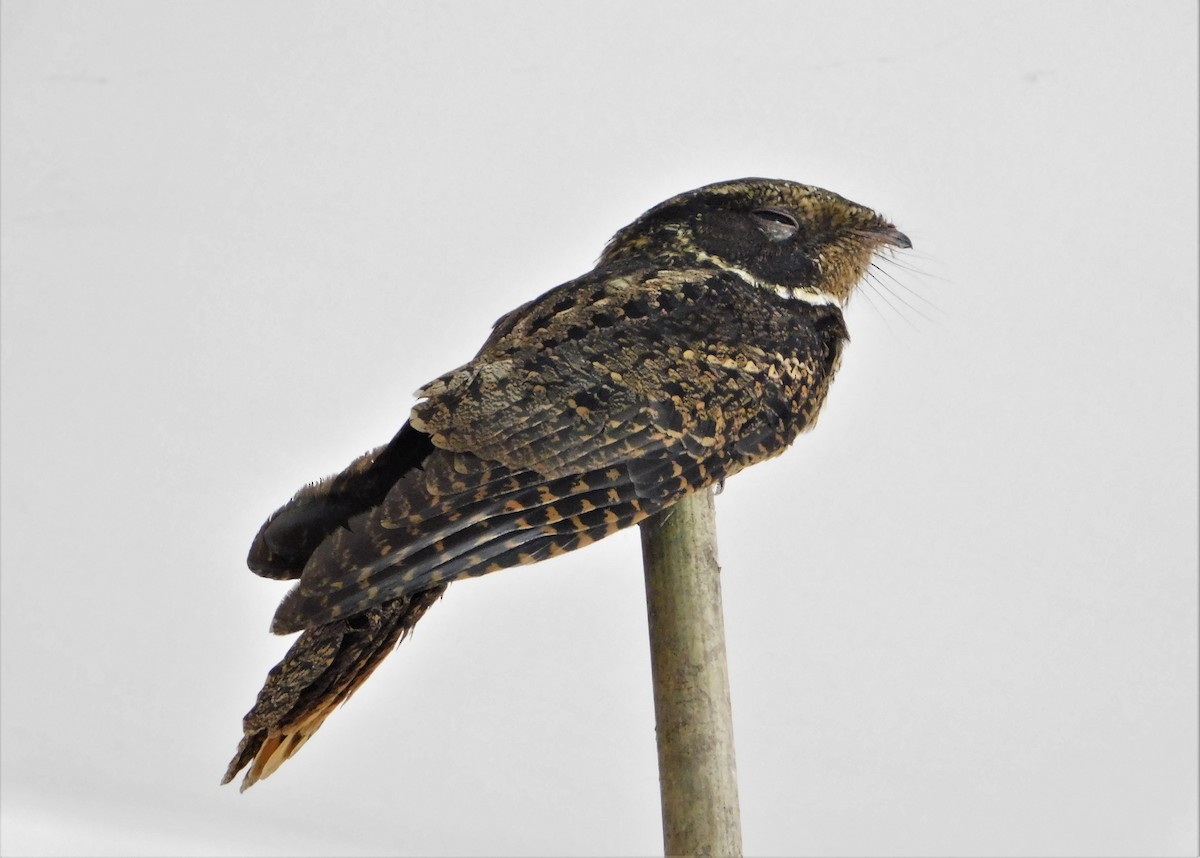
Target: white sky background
{"x": 962, "y": 613}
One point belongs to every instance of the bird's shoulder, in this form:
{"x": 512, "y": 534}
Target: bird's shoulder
{"x": 683, "y": 354}
{"x": 613, "y": 333}
{"x": 625, "y": 295}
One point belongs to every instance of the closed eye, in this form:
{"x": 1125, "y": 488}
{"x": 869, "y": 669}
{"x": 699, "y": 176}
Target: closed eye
{"x": 776, "y": 224}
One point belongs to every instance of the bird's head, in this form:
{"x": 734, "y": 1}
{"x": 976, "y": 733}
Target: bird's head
{"x": 797, "y": 241}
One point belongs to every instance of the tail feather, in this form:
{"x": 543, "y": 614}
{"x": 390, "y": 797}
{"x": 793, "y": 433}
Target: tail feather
{"x": 375, "y": 546}
{"x": 322, "y": 669}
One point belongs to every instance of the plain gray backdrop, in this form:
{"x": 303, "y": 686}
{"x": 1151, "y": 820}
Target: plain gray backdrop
{"x": 962, "y": 613}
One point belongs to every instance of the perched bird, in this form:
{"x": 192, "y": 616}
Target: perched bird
{"x": 703, "y": 341}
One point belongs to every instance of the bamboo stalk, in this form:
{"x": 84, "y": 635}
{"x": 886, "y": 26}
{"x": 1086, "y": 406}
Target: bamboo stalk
{"x": 696, "y": 765}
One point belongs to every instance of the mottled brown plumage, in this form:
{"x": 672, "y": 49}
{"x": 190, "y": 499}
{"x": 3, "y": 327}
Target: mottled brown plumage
{"x": 703, "y": 341}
